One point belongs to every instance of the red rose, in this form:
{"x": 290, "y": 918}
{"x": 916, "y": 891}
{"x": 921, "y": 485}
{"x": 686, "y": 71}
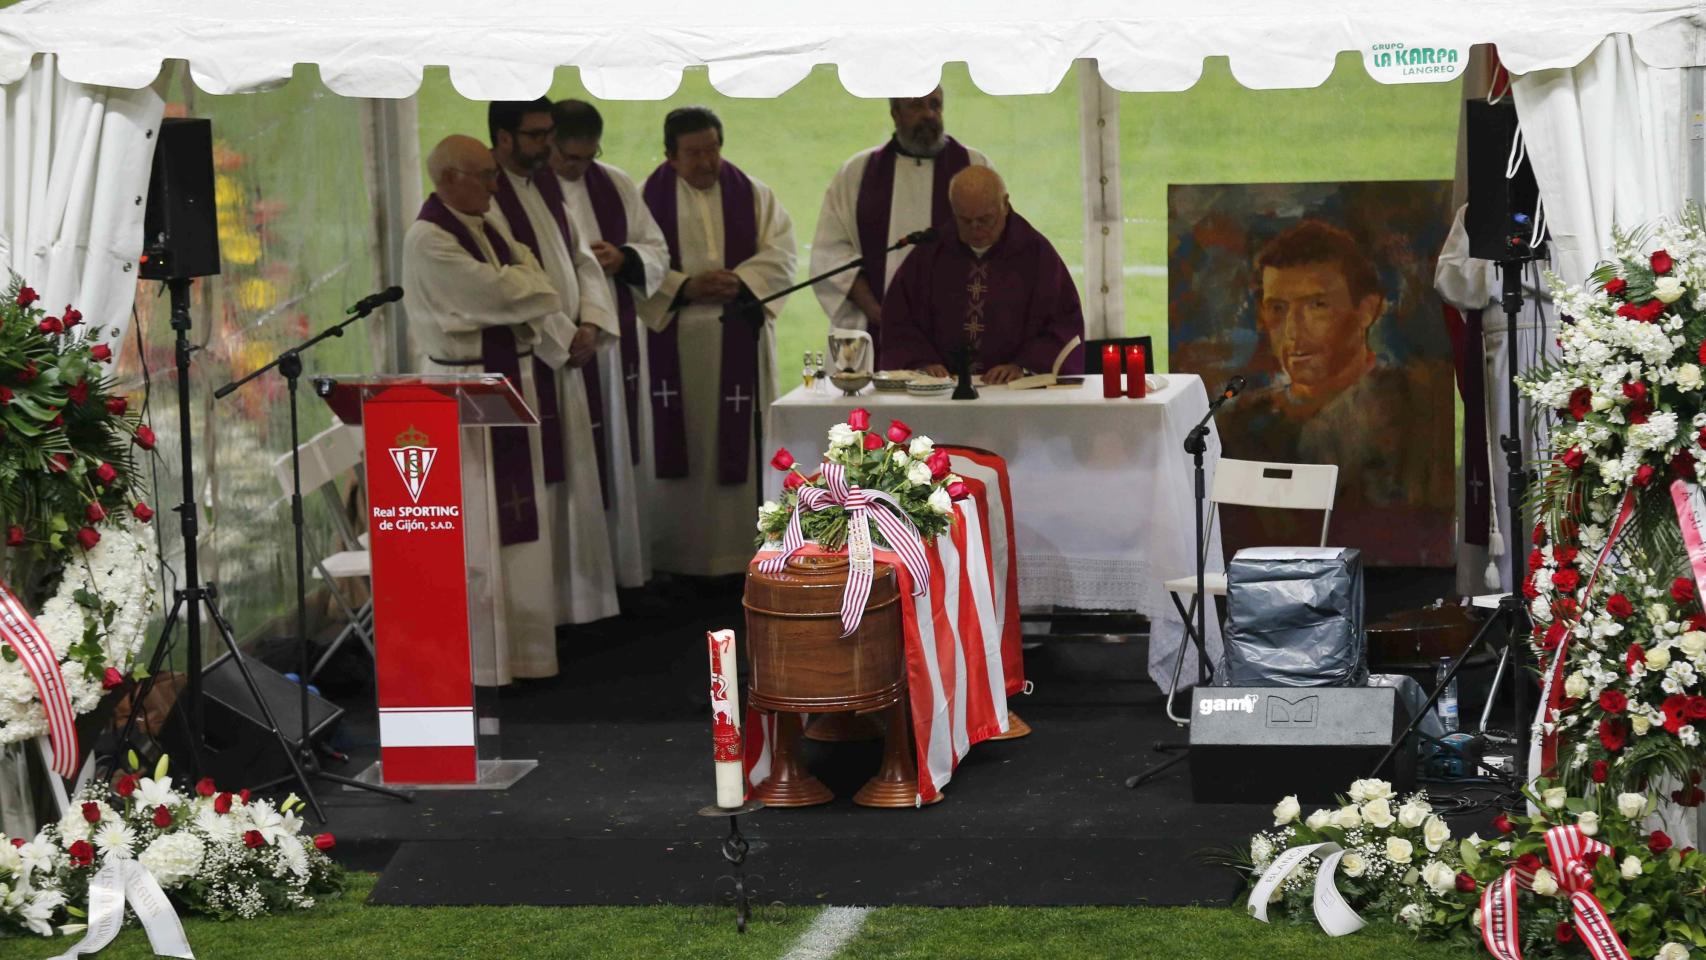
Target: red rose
{"x": 1574, "y": 458}
{"x": 1536, "y": 558}
{"x": 783, "y": 460}
{"x": 82, "y": 853}
{"x": 1465, "y": 883}
{"x": 1636, "y": 391}
{"x": 94, "y": 512}
{"x": 1682, "y": 465}
{"x": 1528, "y": 863}
{"x": 26, "y": 296}
{"x": 145, "y": 436}
{"x": 5, "y": 395}
{"x": 88, "y": 537}
{"x": 1644, "y": 474}
{"x": 1660, "y": 261}
{"x": 1554, "y": 635}
{"x": 958, "y": 490}
{"x": 1566, "y": 580}
{"x": 1613, "y": 734}
{"x": 1616, "y": 285}
{"x": 1563, "y": 554}
{"x": 243, "y": 795}
{"x": 324, "y": 841}
{"x": 142, "y": 511}
{"x": 1619, "y": 606}
{"x": 92, "y": 812}
{"x": 1564, "y": 933}
{"x": 78, "y": 393}
{"x": 939, "y": 463}
{"x": 50, "y": 325}
{"x": 1682, "y": 589}
{"x": 30, "y": 372}
{"x": 59, "y": 463}
{"x": 793, "y": 481}
{"x": 111, "y": 679}
{"x": 899, "y": 432}
{"x": 1502, "y": 823}
{"x": 253, "y": 839}
{"x": 72, "y": 316}
{"x": 1529, "y": 590}
{"x": 106, "y": 474}
{"x": 162, "y": 817}
{"x": 1697, "y": 622}
{"x": 859, "y": 419}
{"x": 101, "y": 352}
{"x": 1600, "y": 771}
{"x": 1659, "y": 842}
{"x": 117, "y": 406}
{"x": 1696, "y": 708}
{"x": 873, "y": 442}
{"x": 1612, "y": 701}
{"x": 1581, "y": 403}
{"x": 126, "y": 785}
{"x": 14, "y": 536}
{"x": 222, "y": 803}
{"x": 1634, "y": 657}
{"x": 204, "y": 787}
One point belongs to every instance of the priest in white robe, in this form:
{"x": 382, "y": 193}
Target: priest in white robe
{"x": 478, "y": 301}
{"x": 607, "y": 212}
{"x": 529, "y": 206}
{"x": 712, "y": 348}
{"x": 879, "y": 196}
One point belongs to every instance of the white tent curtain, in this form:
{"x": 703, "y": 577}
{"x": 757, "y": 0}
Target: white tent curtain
{"x": 74, "y": 163}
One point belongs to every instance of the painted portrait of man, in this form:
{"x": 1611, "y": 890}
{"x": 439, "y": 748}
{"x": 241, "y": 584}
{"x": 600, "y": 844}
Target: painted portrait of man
{"x": 1343, "y": 346}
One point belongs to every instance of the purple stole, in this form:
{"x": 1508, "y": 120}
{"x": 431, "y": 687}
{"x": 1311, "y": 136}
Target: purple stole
{"x": 739, "y": 353}
{"x": 512, "y": 461}
{"x": 612, "y": 219}
{"x": 876, "y": 200}
{"x": 550, "y": 417}
{"x": 545, "y": 181}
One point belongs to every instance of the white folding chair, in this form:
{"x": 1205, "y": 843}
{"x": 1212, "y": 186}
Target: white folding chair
{"x": 1248, "y": 483}
{"x": 325, "y": 457}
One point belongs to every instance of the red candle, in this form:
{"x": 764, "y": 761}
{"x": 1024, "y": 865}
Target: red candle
{"x": 1136, "y": 385}
{"x": 1110, "y": 372}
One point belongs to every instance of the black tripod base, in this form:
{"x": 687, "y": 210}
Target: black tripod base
{"x": 1183, "y": 751}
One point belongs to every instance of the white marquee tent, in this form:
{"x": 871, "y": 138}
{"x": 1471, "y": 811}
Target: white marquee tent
{"x": 1609, "y": 92}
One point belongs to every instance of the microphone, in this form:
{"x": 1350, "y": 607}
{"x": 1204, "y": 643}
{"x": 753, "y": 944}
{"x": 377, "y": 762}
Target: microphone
{"x": 373, "y": 302}
{"x": 1232, "y": 389}
{"x": 916, "y": 237}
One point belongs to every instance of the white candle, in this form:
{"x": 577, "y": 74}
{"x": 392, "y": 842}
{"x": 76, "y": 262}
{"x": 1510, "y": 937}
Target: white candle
{"x": 725, "y": 718}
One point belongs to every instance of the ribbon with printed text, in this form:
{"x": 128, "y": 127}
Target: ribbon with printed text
{"x": 19, "y": 631}
{"x": 1570, "y": 852}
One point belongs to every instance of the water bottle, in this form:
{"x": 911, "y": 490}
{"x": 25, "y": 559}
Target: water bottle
{"x": 1448, "y": 700}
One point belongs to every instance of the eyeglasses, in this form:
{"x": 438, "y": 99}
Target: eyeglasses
{"x": 489, "y": 175}
{"x": 539, "y": 134}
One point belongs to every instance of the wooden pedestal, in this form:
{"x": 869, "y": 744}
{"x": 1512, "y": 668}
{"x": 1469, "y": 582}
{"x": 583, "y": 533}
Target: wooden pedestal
{"x": 896, "y": 784}
{"x": 1016, "y": 728}
{"x": 790, "y": 784}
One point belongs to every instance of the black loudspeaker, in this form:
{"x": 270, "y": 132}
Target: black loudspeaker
{"x": 1258, "y": 744}
{"x": 241, "y": 750}
{"x": 1496, "y": 202}
{"x": 180, "y": 228}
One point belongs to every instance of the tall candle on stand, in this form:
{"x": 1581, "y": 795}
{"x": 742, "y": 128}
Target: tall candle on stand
{"x": 1136, "y": 384}
{"x": 725, "y": 718}
{"x": 1110, "y": 372}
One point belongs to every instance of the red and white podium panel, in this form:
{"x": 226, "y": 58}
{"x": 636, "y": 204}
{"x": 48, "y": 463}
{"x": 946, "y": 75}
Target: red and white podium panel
{"x": 432, "y": 609}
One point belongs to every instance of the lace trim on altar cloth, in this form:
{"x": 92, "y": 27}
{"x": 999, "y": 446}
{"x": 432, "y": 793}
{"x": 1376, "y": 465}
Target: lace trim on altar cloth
{"x": 1094, "y": 583}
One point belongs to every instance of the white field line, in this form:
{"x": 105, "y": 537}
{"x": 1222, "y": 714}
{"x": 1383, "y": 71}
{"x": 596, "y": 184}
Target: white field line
{"x": 833, "y": 929}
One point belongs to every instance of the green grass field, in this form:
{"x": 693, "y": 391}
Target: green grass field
{"x": 1350, "y": 128}
{"x": 349, "y": 930}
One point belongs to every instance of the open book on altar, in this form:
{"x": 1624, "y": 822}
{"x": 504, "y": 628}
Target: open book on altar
{"x": 1041, "y": 381}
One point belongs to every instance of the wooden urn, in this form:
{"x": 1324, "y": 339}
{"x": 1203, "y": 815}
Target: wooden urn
{"x": 800, "y": 663}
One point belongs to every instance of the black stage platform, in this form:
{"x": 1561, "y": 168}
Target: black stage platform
{"x": 609, "y": 817}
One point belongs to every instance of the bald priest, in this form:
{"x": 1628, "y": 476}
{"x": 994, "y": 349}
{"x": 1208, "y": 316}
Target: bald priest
{"x": 995, "y": 287}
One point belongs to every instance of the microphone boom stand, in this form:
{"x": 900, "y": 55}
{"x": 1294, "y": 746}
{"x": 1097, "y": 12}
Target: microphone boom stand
{"x": 289, "y": 363}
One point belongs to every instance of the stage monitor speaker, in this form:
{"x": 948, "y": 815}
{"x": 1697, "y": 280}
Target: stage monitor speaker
{"x": 1495, "y": 201}
{"x": 240, "y": 750}
{"x": 1257, "y": 744}
{"x": 180, "y": 227}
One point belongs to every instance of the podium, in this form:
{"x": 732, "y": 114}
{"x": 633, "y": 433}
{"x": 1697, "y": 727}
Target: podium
{"x": 433, "y": 611}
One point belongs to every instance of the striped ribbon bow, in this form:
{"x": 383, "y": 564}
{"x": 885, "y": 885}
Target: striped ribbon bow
{"x": 19, "y": 631}
{"x": 862, "y": 506}
{"x": 1567, "y": 848}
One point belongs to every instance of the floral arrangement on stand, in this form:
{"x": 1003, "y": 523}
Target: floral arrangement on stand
{"x": 214, "y": 853}
{"x": 1618, "y": 621}
{"x": 78, "y": 555}
{"x": 1583, "y": 869}
{"x": 903, "y": 466}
